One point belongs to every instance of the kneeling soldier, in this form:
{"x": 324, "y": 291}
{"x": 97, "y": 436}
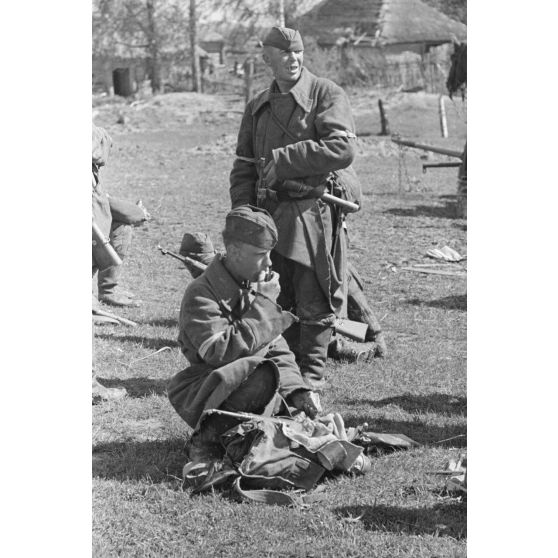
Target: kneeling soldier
{"x": 230, "y": 330}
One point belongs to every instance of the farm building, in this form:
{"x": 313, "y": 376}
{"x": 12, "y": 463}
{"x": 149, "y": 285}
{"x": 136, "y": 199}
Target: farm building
{"x": 123, "y": 74}
{"x": 214, "y": 44}
{"x": 394, "y": 26}
{"x": 397, "y": 43}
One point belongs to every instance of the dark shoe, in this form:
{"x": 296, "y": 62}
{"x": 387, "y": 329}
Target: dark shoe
{"x": 218, "y": 473}
{"x": 118, "y": 300}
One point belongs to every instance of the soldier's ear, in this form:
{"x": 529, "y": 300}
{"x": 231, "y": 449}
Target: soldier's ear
{"x": 232, "y": 250}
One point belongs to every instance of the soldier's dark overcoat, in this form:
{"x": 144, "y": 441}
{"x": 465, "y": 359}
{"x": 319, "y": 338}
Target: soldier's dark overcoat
{"x": 308, "y": 132}
{"x": 225, "y": 332}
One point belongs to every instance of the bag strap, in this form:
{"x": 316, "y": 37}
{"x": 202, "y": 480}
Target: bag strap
{"x": 275, "y": 119}
{"x": 275, "y": 497}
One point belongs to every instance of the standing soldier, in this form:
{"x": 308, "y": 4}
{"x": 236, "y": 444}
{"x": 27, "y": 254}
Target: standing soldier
{"x": 300, "y": 128}
{"x": 102, "y": 218}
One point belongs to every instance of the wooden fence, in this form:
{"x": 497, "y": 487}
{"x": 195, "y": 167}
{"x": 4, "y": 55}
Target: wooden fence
{"x": 429, "y": 76}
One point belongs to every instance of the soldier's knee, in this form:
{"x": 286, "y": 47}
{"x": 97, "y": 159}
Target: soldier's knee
{"x": 121, "y": 238}
{"x": 255, "y": 392}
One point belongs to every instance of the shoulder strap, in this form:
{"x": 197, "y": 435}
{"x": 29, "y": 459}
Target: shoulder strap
{"x": 274, "y": 497}
{"x": 275, "y": 119}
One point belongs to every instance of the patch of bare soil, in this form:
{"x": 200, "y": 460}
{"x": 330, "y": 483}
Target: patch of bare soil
{"x": 172, "y": 111}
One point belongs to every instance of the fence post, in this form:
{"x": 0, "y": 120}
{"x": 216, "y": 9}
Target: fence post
{"x": 383, "y": 119}
{"x": 443, "y": 120}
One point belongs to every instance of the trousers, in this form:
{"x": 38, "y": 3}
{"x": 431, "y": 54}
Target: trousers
{"x": 308, "y": 339}
{"x": 251, "y": 396}
{"x": 121, "y": 240}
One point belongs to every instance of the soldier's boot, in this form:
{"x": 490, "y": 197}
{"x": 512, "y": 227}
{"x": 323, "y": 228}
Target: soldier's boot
{"x": 205, "y": 454}
{"x": 251, "y": 396}
{"x": 461, "y": 208}
{"x": 100, "y": 392}
{"x": 108, "y": 288}
{"x": 292, "y": 337}
{"x": 313, "y": 345}
{"x": 205, "y": 445}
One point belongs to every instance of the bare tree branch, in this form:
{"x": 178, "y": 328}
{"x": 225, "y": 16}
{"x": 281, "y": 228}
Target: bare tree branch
{"x": 116, "y": 42}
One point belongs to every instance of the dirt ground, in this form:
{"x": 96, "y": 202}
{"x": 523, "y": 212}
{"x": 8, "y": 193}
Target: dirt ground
{"x": 174, "y": 152}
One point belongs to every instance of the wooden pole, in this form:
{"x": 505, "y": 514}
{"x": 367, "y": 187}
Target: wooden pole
{"x": 443, "y": 119}
{"x": 196, "y": 74}
{"x": 383, "y": 119}
{"x": 248, "y": 78}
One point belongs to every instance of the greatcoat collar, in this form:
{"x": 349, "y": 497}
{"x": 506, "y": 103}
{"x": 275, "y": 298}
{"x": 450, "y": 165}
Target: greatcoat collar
{"x": 300, "y": 92}
{"x": 226, "y": 289}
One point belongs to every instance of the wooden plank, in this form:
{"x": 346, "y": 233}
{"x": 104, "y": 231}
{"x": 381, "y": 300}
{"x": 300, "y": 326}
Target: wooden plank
{"x": 436, "y": 271}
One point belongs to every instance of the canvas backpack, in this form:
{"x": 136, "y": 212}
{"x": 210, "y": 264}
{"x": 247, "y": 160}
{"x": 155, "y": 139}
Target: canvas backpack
{"x": 279, "y": 460}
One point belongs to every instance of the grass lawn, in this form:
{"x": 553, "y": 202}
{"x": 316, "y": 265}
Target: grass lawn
{"x": 175, "y": 153}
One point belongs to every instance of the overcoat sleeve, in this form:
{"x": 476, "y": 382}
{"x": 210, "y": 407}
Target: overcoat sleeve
{"x": 219, "y": 338}
{"x": 125, "y": 211}
{"x": 335, "y": 146}
{"x": 290, "y": 379}
{"x": 244, "y": 175}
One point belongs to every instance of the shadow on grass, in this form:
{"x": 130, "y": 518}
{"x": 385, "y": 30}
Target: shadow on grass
{"x": 138, "y": 387}
{"x": 448, "y": 519}
{"x": 447, "y": 212}
{"x": 162, "y": 322}
{"x": 451, "y": 435}
{"x": 457, "y": 302}
{"x": 154, "y": 343}
{"x": 158, "y": 461}
{"x": 433, "y": 402}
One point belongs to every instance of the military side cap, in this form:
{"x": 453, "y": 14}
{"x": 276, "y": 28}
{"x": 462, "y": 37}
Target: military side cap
{"x": 283, "y": 38}
{"x": 252, "y": 225}
{"x": 198, "y": 246}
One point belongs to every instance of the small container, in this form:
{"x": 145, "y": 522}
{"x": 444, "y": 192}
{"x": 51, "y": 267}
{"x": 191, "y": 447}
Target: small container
{"x": 361, "y": 466}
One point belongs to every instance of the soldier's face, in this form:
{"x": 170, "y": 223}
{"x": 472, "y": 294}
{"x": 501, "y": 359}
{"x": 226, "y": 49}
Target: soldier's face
{"x": 286, "y": 65}
{"x": 250, "y": 262}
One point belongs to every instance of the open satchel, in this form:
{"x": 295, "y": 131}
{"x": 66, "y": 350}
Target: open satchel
{"x": 279, "y": 460}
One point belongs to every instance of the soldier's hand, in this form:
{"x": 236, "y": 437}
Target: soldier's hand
{"x": 269, "y": 287}
{"x": 270, "y": 174}
{"x": 307, "y": 401}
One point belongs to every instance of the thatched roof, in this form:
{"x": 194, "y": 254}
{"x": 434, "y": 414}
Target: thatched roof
{"x": 212, "y": 37}
{"x": 380, "y": 22}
